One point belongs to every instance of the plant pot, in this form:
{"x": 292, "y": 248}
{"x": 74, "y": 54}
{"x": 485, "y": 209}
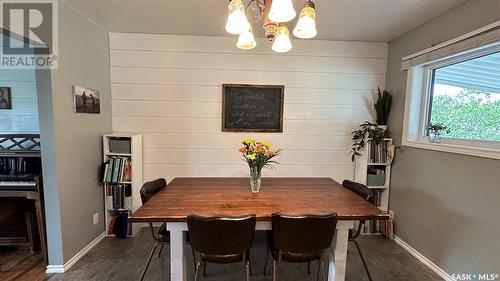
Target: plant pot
{"x": 434, "y": 137}
{"x": 382, "y": 127}
{"x": 255, "y": 180}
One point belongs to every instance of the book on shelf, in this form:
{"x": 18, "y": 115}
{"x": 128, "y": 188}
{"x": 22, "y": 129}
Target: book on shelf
{"x": 117, "y": 169}
{"x": 378, "y": 152}
{"x": 118, "y": 194}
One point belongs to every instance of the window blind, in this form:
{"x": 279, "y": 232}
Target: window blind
{"x": 482, "y": 38}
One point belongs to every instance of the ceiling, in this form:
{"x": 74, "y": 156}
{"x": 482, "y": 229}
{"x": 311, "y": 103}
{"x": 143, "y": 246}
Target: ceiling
{"x": 352, "y": 20}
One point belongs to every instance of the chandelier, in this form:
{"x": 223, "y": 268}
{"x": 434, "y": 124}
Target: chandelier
{"x": 275, "y": 17}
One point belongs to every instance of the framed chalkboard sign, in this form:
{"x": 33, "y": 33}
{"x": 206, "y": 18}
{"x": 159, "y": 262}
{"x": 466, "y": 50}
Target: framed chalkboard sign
{"x": 252, "y": 108}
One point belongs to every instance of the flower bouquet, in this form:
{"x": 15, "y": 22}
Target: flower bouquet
{"x": 258, "y": 155}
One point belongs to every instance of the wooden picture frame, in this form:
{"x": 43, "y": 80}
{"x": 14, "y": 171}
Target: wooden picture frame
{"x": 254, "y": 101}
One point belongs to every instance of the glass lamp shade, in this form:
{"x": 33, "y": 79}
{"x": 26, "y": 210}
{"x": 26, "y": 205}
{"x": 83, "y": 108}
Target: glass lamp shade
{"x": 282, "y": 11}
{"x": 237, "y": 21}
{"x": 306, "y": 25}
{"x": 282, "y": 42}
{"x": 246, "y": 41}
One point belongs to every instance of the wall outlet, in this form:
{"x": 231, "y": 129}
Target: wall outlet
{"x": 95, "y": 217}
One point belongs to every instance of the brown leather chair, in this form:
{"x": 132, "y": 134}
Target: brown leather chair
{"x": 300, "y": 239}
{"x": 161, "y": 237}
{"x": 367, "y": 194}
{"x": 221, "y": 240}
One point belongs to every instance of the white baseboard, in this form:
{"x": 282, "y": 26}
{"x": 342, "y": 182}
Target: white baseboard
{"x": 58, "y": 268}
{"x": 423, "y": 259}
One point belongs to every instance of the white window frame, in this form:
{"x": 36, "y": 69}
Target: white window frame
{"x": 417, "y": 102}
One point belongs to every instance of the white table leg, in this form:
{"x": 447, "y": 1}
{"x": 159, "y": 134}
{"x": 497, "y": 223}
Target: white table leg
{"x": 177, "y": 257}
{"x": 338, "y": 259}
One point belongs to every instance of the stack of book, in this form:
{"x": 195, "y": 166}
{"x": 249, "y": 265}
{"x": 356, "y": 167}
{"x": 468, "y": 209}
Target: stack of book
{"x": 118, "y": 192}
{"x": 117, "y": 169}
{"x": 378, "y": 152}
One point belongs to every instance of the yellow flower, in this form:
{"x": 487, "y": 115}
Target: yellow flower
{"x": 251, "y": 156}
{"x": 247, "y": 141}
{"x": 266, "y": 144}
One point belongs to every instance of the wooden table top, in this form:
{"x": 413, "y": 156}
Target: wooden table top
{"x": 232, "y": 197}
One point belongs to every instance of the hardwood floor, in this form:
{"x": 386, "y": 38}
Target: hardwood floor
{"x": 122, "y": 260}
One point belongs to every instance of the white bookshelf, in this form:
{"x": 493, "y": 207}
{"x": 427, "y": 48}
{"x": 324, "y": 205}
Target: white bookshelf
{"x": 363, "y": 164}
{"x": 132, "y": 202}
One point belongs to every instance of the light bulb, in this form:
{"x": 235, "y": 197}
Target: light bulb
{"x": 282, "y": 42}
{"x": 237, "y": 21}
{"x": 282, "y": 11}
{"x": 246, "y": 40}
{"x": 306, "y": 25}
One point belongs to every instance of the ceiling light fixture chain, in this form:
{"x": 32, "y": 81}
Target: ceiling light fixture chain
{"x": 275, "y": 15}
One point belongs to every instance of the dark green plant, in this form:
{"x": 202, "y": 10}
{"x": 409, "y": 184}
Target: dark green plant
{"x": 436, "y": 128}
{"x": 383, "y": 106}
{"x": 367, "y": 132}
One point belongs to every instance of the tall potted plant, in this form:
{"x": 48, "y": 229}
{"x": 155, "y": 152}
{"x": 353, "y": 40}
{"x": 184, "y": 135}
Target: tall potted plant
{"x": 383, "y": 107}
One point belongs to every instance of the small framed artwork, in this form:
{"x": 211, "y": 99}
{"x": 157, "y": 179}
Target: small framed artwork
{"x": 86, "y": 100}
{"x": 5, "y": 102}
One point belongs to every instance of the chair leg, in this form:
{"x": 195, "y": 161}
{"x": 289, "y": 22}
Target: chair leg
{"x": 275, "y": 270}
{"x": 265, "y": 264}
{"x": 161, "y": 249}
{"x": 196, "y": 271}
{"x": 204, "y": 269}
{"x": 248, "y": 270}
{"x": 250, "y": 267}
{"x": 149, "y": 261}
{"x": 323, "y": 272}
{"x": 362, "y": 260}
{"x": 194, "y": 257}
{"x": 308, "y": 267}
{"x": 317, "y": 273}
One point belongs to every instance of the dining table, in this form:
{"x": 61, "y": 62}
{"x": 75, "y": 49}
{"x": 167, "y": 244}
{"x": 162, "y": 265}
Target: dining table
{"x": 231, "y": 196}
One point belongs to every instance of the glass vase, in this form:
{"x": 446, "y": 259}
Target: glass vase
{"x": 255, "y": 179}
{"x": 434, "y": 137}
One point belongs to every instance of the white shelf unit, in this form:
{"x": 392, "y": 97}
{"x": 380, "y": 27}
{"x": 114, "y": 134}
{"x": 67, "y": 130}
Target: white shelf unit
{"x": 362, "y": 165}
{"x": 133, "y": 202}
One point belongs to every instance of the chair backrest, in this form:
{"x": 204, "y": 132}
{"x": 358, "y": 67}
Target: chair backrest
{"x": 303, "y": 234}
{"x": 361, "y": 190}
{"x": 151, "y": 188}
{"x": 221, "y": 236}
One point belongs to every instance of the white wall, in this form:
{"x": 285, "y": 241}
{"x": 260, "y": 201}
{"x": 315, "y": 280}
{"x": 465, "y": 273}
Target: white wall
{"x": 168, "y": 88}
{"x": 23, "y": 117}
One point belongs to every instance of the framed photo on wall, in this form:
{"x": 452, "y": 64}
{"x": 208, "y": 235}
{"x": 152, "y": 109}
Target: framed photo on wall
{"x": 252, "y": 108}
{"x": 86, "y": 100}
{"x": 5, "y": 100}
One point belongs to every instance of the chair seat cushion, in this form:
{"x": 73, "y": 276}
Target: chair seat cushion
{"x": 222, "y": 258}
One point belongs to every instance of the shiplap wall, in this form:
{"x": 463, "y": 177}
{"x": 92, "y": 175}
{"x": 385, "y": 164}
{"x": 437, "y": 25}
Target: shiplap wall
{"x": 168, "y": 88}
{"x": 23, "y": 117}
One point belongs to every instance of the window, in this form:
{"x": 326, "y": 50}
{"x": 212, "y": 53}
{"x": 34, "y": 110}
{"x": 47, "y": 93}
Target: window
{"x": 457, "y": 84}
{"x": 465, "y": 97}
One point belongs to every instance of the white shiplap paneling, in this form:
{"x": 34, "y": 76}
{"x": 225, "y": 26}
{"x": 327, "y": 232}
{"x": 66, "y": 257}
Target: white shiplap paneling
{"x": 168, "y": 88}
{"x": 23, "y": 117}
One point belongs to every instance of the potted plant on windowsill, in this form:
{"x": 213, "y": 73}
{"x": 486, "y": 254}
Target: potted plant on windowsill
{"x": 382, "y": 108}
{"x": 434, "y": 131}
